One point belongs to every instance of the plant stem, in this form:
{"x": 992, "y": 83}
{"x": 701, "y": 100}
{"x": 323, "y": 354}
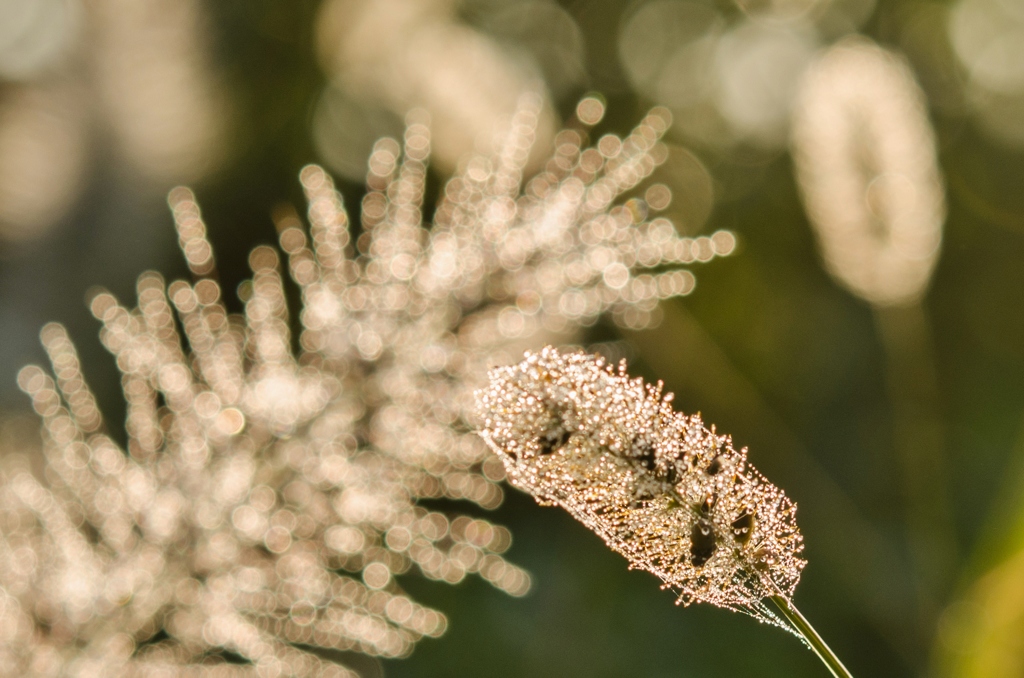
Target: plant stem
{"x": 800, "y": 623}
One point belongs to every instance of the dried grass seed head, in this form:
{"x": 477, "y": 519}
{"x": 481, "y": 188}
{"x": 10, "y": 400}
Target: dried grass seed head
{"x": 673, "y": 497}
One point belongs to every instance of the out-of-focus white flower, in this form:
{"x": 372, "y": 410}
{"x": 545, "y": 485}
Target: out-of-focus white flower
{"x": 988, "y": 38}
{"x": 405, "y": 54}
{"x": 43, "y": 154}
{"x": 141, "y": 70}
{"x": 865, "y": 160}
{"x": 267, "y": 501}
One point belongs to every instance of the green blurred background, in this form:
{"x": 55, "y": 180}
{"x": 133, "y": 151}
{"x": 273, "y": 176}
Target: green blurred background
{"x": 109, "y": 104}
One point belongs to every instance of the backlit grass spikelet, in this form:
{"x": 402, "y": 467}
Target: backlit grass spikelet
{"x": 673, "y": 497}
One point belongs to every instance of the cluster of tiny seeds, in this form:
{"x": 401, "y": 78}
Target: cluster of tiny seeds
{"x": 671, "y": 496}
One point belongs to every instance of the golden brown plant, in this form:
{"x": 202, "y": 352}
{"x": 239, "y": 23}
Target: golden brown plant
{"x": 673, "y": 497}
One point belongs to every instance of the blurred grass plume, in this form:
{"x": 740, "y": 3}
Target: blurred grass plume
{"x": 268, "y": 497}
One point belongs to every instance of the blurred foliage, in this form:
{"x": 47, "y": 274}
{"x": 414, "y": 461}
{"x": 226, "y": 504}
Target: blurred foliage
{"x": 768, "y": 346}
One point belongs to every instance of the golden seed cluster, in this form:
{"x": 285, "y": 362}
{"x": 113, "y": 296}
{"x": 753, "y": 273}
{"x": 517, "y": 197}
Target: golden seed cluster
{"x": 673, "y": 497}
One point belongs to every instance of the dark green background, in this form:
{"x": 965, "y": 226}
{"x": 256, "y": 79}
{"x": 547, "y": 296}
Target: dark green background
{"x": 768, "y": 347}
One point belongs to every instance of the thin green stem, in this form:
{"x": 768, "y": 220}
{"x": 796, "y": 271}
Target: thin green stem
{"x": 800, "y": 623}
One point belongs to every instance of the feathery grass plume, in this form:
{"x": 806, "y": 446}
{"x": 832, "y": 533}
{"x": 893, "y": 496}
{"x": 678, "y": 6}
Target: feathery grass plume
{"x": 864, "y": 154}
{"x": 266, "y": 501}
{"x": 673, "y": 497}
{"x": 140, "y": 73}
{"x": 865, "y": 158}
